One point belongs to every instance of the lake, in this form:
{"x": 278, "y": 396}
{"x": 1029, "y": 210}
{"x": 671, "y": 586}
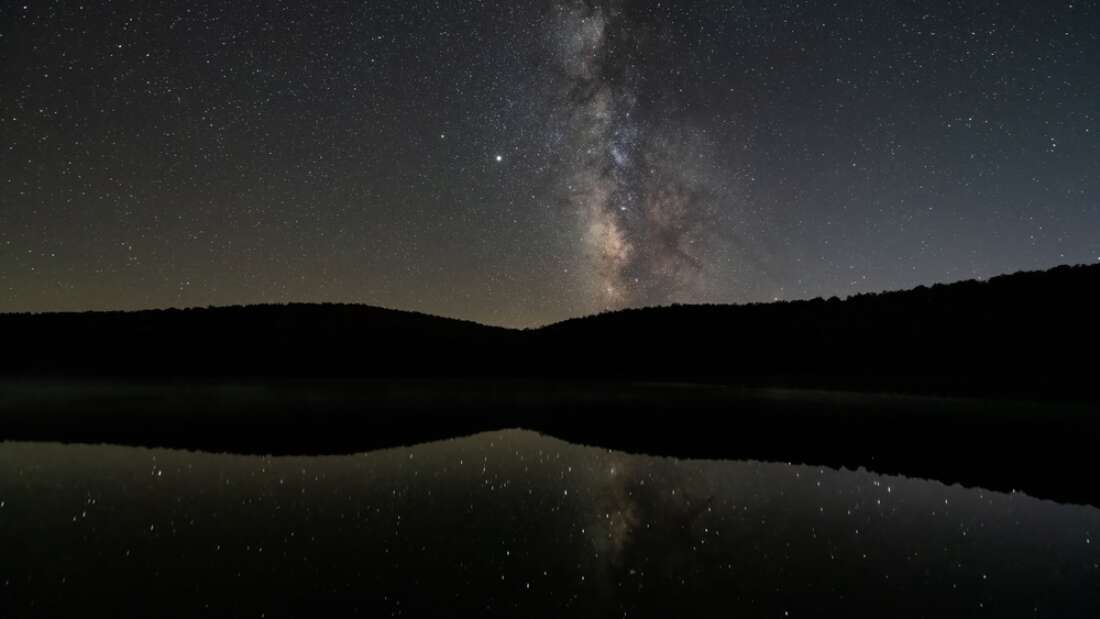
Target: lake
{"x": 514, "y": 523}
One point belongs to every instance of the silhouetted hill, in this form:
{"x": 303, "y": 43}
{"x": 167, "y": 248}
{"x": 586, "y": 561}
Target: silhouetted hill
{"x": 1031, "y": 332}
{"x": 1026, "y": 332}
{"x": 242, "y": 341}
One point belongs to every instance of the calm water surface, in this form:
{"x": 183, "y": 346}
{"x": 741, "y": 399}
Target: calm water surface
{"x": 517, "y": 524}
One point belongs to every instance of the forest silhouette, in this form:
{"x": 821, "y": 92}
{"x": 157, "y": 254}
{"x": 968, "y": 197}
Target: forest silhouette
{"x": 1029, "y": 333}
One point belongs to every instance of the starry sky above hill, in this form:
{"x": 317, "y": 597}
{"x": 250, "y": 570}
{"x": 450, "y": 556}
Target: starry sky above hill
{"x": 518, "y": 163}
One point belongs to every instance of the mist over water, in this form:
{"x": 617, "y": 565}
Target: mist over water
{"x": 513, "y": 523}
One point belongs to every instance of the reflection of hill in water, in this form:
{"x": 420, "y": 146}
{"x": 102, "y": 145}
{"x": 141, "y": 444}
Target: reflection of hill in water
{"x": 514, "y": 523}
{"x": 1039, "y": 447}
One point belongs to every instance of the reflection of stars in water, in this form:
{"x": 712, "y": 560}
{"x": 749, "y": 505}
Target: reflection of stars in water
{"x": 542, "y": 527}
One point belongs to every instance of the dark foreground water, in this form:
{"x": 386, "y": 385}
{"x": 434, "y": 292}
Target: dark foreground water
{"x": 517, "y": 524}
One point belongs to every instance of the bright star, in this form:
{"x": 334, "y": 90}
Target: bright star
{"x": 500, "y": 158}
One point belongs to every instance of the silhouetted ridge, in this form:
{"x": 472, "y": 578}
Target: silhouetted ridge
{"x": 256, "y": 340}
{"x": 1027, "y": 332}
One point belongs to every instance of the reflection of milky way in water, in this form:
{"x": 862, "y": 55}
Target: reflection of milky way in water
{"x": 513, "y": 523}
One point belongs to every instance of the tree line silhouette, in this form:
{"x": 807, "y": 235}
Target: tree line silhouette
{"x": 1024, "y": 333}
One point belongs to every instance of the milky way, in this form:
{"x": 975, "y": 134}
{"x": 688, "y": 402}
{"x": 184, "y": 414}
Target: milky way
{"x": 624, "y": 174}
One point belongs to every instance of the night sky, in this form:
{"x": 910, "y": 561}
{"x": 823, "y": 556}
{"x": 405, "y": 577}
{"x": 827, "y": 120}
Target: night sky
{"x": 518, "y": 163}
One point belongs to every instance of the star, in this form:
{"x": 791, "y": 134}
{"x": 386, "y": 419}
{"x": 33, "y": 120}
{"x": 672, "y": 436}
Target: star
{"x": 499, "y": 158}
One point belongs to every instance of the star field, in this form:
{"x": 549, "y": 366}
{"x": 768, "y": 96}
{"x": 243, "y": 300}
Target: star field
{"x": 521, "y": 163}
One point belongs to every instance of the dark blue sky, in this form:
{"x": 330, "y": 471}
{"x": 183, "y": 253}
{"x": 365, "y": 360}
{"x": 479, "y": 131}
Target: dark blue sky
{"x": 521, "y": 162}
